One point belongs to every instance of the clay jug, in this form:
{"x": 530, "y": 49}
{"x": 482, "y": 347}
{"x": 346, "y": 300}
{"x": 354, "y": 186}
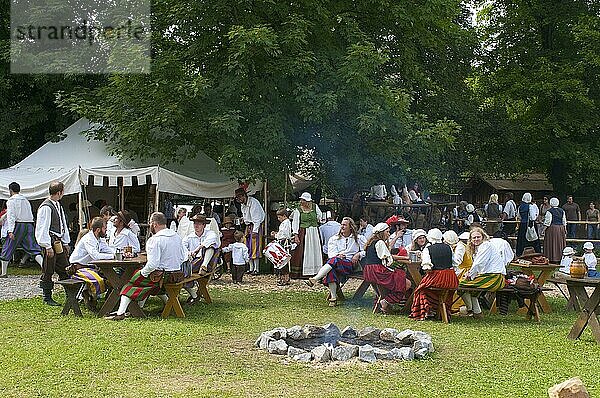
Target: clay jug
{"x": 577, "y": 268}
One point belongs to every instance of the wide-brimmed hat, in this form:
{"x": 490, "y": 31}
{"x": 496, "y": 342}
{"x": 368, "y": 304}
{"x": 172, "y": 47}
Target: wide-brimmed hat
{"x": 568, "y": 251}
{"x": 434, "y": 235}
{"x": 529, "y": 252}
{"x": 306, "y": 196}
{"x": 124, "y": 216}
{"x": 464, "y": 236}
{"x": 450, "y": 237}
{"x": 380, "y": 227}
{"x": 240, "y": 191}
{"x": 417, "y": 233}
{"x": 588, "y": 246}
{"x": 227, "y": 220}
{"x": 201, "y": 218}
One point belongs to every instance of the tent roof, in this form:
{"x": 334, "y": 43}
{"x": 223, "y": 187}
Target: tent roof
{"x": 75, "y": 158}
{"x": 531, "y": 182}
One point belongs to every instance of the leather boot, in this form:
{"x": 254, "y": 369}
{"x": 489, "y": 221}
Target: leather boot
{"x": 47, "y": 293}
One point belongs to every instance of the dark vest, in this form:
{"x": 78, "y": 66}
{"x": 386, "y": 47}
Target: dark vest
{"x": 493, "y": 210}
{"x": 441, "y": 255}
{"x": 524, "y": 212}
{"x": 557, "y": 215}
{"x": 371, "y": 256}
{"x": 54, "y": 218}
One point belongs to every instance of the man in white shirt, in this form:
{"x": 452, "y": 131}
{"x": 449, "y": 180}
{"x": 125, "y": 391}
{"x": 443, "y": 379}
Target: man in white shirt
{"x": 200, "y": 247}
{"x": 52, "y": 234}
{"x": 345, "y": 250}
{"x": 91, "y": 247}
{"x": 19, "y": 228}
{"x": 509, "y": 213}
{"x": 164, "y": 251}
{"x": 329, "y": 229}
{"x": 253, "y": 215}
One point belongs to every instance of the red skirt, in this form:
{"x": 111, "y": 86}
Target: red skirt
{"x": 426, "y": 301}
{"x": 391, "y": 284}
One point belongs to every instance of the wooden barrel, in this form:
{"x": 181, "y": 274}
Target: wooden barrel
{"x": 577, "y": 269}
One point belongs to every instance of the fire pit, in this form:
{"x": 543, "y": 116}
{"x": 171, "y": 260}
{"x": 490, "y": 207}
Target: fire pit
{"x": 327, "y": 343}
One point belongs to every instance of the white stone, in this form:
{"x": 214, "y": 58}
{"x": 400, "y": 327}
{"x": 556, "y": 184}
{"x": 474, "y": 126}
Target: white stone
{"x": 349, "y": 332}
{"x": 278, "y": 347}
{"x": 418, "y": 335}
{"x": 419, "y": 344}
{"x": 295, "y": 333}
{"x": 402, "y": 354}
{"x": 405, "y": 337}
{"x": 277, "y": 333}
{"x": 332, "y": 330}
{"x": 293, "y": 351}
{"x": 369, "y": 333}
{"x": 366, "y": 353}
{"x": 321, "y": 353}
{"x": 420, "y": 353}
{"x": 344, "y": 352}
{"x": 306, "y": 357}
{"x": 380, "y": 353}
{"x": 388, "y": 334}
{"x": 263, "y": 341}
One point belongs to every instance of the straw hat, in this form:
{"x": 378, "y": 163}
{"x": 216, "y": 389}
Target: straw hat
{"x": 124, "y": 216}
{"x": 201, "y": 218}
{"x": 529, "y": 252}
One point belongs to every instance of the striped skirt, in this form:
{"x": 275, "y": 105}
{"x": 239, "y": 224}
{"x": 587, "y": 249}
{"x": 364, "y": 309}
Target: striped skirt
{"x": 139, "y": 287}
{"x": 340, "y": 270}
{"x": 255, "y": 243}
{"x": 426, "y": 301}
{"x": 93, "y": 280}
{"x": 491, "y": 282}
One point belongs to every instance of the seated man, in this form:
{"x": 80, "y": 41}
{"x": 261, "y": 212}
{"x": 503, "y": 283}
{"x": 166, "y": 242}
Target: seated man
{"x": 200, "y": 247}
{"x": 89, "y": 248}
{"x": 164, "y": 251}
{"x": 344, "y": 251}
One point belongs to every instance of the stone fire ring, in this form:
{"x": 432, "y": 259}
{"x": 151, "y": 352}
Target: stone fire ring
{"x": 327, "y": 343}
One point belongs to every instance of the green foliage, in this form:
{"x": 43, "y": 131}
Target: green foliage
{"x": 259, "y": 85}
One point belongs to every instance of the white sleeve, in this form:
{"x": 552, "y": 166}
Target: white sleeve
{"x": 481, "y": 259}
{"x": 93, "y": 251}
{"x": 295, "y": 221}
{"x": 332, "y": 249}
{"x": 426, "y": 263}
{"x": 534, "y": 212}
{"x": 66, "y": 237}
{"x": 319, "y": 213}
{"x": 547, "y": 218}
{"x": 257, "y": 215}
{"x": 134, "y": 242}
{"x": 11, "y": 214}
{"x": 459, "y": 254}
{"x": 42, "y": 227}
{"x": 227, "y": 249}
{"x": 245, "y": 254}
{"x": 153, "y": 256}
{"x": 210, "y": 240}
{"x": 383, "y": 253}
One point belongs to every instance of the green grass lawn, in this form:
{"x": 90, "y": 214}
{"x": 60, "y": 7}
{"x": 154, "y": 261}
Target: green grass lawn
{"x": 210, "y": 353}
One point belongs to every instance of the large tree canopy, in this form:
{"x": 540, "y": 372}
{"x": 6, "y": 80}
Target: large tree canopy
{"x": 259, "y": 84}
{"x": 538, "y": 87}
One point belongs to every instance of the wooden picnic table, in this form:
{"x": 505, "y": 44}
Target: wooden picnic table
{"x": 588, "y": 304}
{"x": 129, "y": 267}
{"x": 540, "y": 273}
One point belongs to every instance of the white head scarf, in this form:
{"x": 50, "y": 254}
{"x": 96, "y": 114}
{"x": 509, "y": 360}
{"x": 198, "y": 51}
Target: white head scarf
{"x": 527, "y": 197}
{"x": 554, "y": 202}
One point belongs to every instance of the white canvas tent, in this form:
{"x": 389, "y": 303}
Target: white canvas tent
{"x": 74, "y": 159}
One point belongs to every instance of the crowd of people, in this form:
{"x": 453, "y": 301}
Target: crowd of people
{"x": 311, "y": 245}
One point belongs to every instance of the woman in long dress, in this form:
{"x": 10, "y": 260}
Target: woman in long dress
{"x": 555, "y": 238}
{"x": 306, "y": 257}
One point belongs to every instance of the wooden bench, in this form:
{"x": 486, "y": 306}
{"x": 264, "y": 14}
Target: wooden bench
{"x": 172, "y": 290}
{"x": 442, "y": 310}
{"x": 73, "y": 288}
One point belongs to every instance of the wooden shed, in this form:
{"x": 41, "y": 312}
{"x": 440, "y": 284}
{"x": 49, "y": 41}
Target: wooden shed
{"x": 478, "y": 189}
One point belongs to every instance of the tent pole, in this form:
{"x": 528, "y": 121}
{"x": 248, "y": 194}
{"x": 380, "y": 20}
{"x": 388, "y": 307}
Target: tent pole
{"x": 156, "y": 201}
{"x": 122, "y": 194}
{"x": 266, "y": 209}
{"x": 80, "y": 207}
{"x": 285, "y": 190}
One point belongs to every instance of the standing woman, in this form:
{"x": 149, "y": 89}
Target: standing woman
{"x": 544, "y": 207}
{"x": 527, "y": 213}
{"x": 492, "y": 213}
{"x": 391, "y": 283}
{"x": 306, "y": 258}
{"x": 555, "y": 239}
{"x": 487, "y": 271}
{"x": 437, "y": 262}
{"x": 592, "y": 215}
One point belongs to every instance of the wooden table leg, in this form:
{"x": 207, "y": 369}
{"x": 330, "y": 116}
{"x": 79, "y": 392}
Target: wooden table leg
{"x": 362, "y": 289}
{"x": 541, "y": 279}
{"x": 117, "y": 282}
{"x": 588, "y": 314}
{"x": 573, "y": 303}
